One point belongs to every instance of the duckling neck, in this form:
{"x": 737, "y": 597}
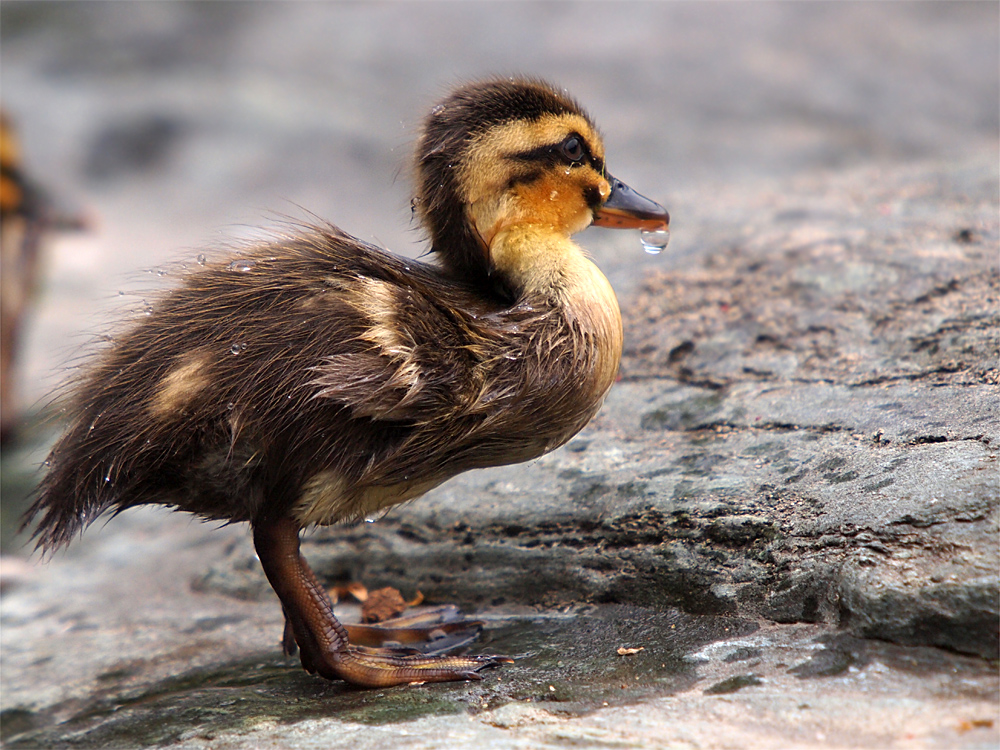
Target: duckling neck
{"x": 535, "y": 261}
{"x": 540, "y": 263}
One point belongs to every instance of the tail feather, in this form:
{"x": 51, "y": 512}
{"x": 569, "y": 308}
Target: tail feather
{"x": 72, "y": 495}
{"x": 60, "y": 518}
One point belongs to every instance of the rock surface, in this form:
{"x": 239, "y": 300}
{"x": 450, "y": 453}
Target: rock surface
{"x": 107, "y": 647}
{"x": 789, "y": 502}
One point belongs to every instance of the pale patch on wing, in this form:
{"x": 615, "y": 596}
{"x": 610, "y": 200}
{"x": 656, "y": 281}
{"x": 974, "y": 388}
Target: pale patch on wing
{"x": 376, "y": 300}
{"x": 181, "y": 386}
{"x": 384, "y": 382}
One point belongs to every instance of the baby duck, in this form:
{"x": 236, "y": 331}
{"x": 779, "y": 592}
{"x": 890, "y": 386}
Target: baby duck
{"x": 29, "y": 214}
{"x": 317, "y": 379}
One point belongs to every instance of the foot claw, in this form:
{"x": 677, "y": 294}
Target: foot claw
{"x": 288, "y": 644}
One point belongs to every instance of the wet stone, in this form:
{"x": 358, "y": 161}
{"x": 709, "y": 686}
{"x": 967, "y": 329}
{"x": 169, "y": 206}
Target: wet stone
{"x": 732, "y": 684}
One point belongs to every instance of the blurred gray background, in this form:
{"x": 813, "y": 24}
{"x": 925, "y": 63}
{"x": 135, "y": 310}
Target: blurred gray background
{"x": 181, "y": 126}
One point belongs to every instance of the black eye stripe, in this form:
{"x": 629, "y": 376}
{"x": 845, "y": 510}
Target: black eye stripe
{"x": 524, "y": 179}
{"x": 553, "y": 154}
{"x": 541, "y": 155}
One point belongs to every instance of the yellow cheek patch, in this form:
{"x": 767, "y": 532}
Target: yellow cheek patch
{"x": 489, "y": 177}
{"x": 554, "y": 199}
{"x": 486, "y": 168}
{"x": 551, "y": 201}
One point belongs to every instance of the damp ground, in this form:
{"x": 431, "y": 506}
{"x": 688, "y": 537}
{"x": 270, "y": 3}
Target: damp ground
{"x": 570, "y": 668}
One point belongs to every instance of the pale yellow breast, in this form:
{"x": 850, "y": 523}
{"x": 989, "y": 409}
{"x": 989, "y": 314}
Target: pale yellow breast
{"x": 590, "y": 301}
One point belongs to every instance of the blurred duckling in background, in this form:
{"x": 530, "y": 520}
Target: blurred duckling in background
{"x": 318, "y": 379}
{"x": 27, "y": 214}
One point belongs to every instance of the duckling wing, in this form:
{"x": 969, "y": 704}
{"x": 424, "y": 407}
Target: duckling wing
{"x": 416, "y": 357}
{"x": 318, "y": 351}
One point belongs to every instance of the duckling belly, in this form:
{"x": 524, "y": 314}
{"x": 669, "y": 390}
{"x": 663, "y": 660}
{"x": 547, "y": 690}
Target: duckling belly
{"x": 328, "y": 497}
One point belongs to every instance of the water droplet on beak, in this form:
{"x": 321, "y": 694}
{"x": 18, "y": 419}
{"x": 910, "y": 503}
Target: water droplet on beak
{"x": 654, "y": 241}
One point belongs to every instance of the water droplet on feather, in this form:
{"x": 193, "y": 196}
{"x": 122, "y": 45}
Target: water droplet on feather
{"x": 242, "y": 265}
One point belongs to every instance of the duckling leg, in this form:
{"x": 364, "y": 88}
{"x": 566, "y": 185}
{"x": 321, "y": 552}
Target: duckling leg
{"x": 323, "y": 641}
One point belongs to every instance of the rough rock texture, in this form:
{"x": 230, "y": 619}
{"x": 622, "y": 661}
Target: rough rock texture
{"x": 107, "y": 648}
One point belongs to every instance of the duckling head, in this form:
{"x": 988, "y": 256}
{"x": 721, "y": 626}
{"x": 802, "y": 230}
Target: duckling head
{"x": 514, "y": 153}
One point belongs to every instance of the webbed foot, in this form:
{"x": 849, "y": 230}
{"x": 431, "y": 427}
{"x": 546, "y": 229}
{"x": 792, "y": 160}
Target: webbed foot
{"x": 373, "y": 655}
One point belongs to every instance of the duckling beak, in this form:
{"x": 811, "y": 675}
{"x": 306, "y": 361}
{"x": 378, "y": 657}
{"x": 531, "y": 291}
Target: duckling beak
{"x": 626, "y": 209}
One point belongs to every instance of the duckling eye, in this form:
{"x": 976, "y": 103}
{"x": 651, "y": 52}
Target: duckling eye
{"x": 572, "y": 148}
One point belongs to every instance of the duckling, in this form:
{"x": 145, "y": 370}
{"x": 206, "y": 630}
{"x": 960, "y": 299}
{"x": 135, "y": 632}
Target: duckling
{"x": 316, "y": 379}
{"x": 28, "y": 213}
